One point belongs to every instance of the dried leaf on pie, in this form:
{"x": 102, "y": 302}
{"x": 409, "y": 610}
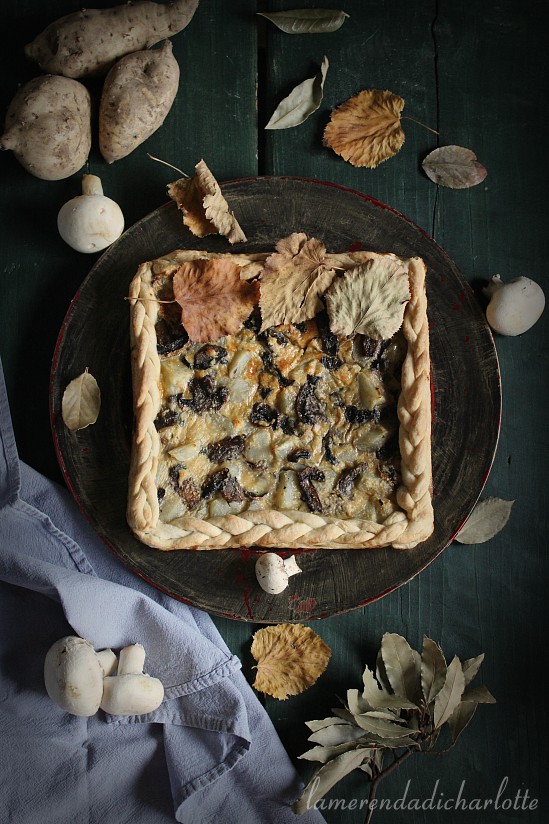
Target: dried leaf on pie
{"x": 290, "y": 658}
{"x": 81, "y": 402}
{"x": 205, "y": 210}
{"x": 369, "y": 299}
{"x": 302, "y": 101}
{"x": 293, "y": 280}
{"x": 366, "y": 129}
{"x": 214, "y": 300}
{"x": 455, "y": 167}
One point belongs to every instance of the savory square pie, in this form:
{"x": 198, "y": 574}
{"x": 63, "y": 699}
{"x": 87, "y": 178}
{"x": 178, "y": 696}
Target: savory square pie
{"x": 307, "y": 424}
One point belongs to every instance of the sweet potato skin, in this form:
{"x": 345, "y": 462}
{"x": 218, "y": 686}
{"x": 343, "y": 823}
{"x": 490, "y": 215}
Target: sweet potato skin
{"x": 48, "y": 127}
{"x": 90, "y": 41}
{"x": 137, "y": 95}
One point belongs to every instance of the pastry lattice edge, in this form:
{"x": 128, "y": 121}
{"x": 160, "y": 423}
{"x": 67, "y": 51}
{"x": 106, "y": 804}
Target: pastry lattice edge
{"x": 271, "y": 528}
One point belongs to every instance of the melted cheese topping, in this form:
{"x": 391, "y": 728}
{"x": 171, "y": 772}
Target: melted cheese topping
{"x": 274, "y": 422}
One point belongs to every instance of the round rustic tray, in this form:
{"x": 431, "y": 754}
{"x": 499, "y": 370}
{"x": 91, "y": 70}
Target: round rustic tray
{"x": 466, "y": 401}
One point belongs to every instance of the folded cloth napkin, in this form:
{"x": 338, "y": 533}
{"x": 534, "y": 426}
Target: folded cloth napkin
{"x": 208, "y": 754}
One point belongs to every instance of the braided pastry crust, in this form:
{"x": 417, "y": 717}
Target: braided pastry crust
{"x": 404, "y": 528}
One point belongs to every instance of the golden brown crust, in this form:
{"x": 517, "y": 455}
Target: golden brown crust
{"x": 272, "y": 528}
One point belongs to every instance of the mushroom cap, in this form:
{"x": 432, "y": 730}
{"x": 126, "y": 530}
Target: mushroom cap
{"x": 133, "y": 694}
{"x": 73, "y": 676}
{"x": 515, "y": 306}
{"x": 271, "y": 573}
{"x": 90, "y": 223}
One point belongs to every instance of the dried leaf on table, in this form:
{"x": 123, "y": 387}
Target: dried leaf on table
{"x": 307, "y": 21}
{"x": 81, "y": 402}
{"x": 486, "y": 520}
{"x": 369, "y": 299}
{"x": 205, "y": 210}
{"x": 366, "y": 129}
{"x": 293, "y": 280}
{"x": 302, "y": 101}
{"x": 290, "y": 658}
{"x": 433, "y": 669}
{"x": 450, "y": 695}
{"x": 214, "y": 300}
{"x": 328, "y": 776}
{"x": 454, "y": 166}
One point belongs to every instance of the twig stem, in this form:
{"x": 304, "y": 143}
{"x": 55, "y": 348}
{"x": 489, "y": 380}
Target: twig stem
{"x": 407, "y": 117}
{"x": 383, "y": 774}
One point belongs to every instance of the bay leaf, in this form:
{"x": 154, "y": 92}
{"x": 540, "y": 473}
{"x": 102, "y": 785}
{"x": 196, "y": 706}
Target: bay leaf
{"x": 433, "y": 669}
{"x": 327, "y": 777}
{"x": 81, "y": 402}
{"x": 356, "y": 702}
{"x": 337, "y": 734}
{"x": 307, "y": 21}
{"x": 402, "y": 664}
{"x": 454, "y": 167}
{"x": 325, "y": 754}
{"x": 460, "y": 718}
{"x": 450, "y": 695}
{"x": 380, "y": 727}
{"x": 302, "y": 101}
{"x": 324, "y": 722}
{"x": 480, "y": 695}
{"x": 471, "y": 666}
{"x": 486, "y": 520}
{"x": 379, "y": 698}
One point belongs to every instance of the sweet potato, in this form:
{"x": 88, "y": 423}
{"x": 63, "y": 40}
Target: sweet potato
{"x": 137, "y": 95}
{"x": 48, "y": 127}
{"x": 90, "y": 41}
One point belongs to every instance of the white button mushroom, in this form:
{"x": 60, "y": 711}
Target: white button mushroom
{"x": 130, "y": 692}
{"x": 273, "y": 572}
{"x": 73, "y": 674}
{"x": 514, "y": 306}
{"x": 91, "y": 221}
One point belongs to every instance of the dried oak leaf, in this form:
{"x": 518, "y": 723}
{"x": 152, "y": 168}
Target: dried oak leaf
{"x": 369, "y": 299}
{"x": 293, "y": 279}
{"x": 454, "y": 166}
{"x": 205, "y": 210}
{"x": 81, "y": 402}
{"x": 214, "y": 300}
{"x": 366, "y": 129}
{"x": 290, "y": 658}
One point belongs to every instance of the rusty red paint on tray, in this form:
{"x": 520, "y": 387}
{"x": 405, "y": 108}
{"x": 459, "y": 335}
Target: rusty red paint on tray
{"x": 355, "y": 247}
{"x": 306, "y": 605}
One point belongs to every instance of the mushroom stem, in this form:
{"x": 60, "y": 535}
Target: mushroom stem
{"x": 132, "y": 660}
{"x": 107, "y": 660}
{"x": 91, "y": 185}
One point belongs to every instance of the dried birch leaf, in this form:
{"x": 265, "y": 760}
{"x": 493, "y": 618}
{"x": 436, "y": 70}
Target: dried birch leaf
{"x": 302, "y": 101}
{"x": 307, "y": 21}
{"x": 214, "y": 300}
{"x": 205, "y": 210}
{"x": 293, "y": 280}
{"x": 369, "y": 299}
{"x": 366, "y": 129}
{"x": 454, "y": 166}
{"x": 486, "y": 520}
{"x": 81, "y": 402}
{"x": 290, "y": 658}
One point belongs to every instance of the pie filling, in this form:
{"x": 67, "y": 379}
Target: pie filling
{"x": 292, "y": 418}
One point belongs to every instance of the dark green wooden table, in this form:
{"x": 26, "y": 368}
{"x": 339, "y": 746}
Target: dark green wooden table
{"x": 478, "y": 74}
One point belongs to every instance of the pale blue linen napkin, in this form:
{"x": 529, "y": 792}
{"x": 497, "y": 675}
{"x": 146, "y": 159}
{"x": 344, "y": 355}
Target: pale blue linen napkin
{"x": 208, "y": 754}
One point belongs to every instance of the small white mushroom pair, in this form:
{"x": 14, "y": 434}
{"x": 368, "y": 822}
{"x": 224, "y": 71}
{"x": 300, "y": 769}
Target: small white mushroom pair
{"x": 81, "y": 681}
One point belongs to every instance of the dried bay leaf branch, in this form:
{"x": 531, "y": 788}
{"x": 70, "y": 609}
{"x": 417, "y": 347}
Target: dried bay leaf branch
{"x": 214, "y": 300}
{"x": 290, "y": 658}
{"x": 81, "y": 402}
{"x": 205, "y": 210}
{"x": 377, "y": 741}
{"x": 486, "y": 520}
{"x": 302, "y": 101}
{"x": 454, "y": 166}
{"x": 307, "y": 21}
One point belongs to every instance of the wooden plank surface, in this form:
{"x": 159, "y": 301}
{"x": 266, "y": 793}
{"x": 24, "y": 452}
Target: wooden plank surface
{"x": 478, "y": 73}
